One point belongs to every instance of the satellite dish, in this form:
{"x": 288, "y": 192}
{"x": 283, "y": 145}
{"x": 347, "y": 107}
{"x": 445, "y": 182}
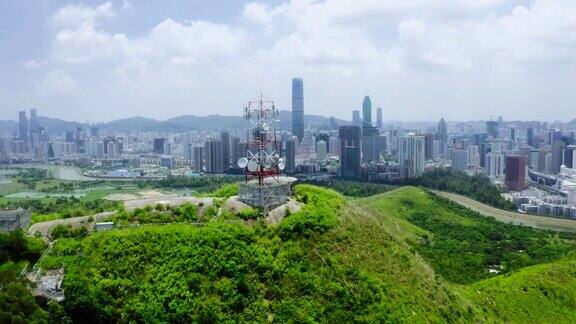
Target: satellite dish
{"x": 281, "y": 166}
{"x": 266, "y": 127}
{"x": 242, "y": 162}
{"x": 268, "y": 164}
{"x": 252, "y": 166}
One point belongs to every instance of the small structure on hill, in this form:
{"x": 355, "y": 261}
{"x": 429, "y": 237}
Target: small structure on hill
{"x": 103, "y": 226}
{"x": 264, "y": 187}
{"x": 13, "y": 219}
{"x": 52, "y": 284}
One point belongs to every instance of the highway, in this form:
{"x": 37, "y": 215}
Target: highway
{"x": 541, "y": 222}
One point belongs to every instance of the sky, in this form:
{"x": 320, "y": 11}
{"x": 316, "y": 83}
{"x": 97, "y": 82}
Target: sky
{"x": 417, "y": 59}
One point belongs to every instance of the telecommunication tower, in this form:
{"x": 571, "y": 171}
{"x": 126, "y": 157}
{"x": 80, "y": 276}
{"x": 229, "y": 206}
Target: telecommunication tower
{"x": 262, "y": 164}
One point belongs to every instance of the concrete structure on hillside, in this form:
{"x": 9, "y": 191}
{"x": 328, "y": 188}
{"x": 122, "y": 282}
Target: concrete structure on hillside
{"x": 13, "y": 219}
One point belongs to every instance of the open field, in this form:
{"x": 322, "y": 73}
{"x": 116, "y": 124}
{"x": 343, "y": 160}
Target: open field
{"x": 541, "y": 222}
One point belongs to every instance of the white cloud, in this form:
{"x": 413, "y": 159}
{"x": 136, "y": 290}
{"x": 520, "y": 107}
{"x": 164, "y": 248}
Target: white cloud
{"x": 34, "y": 64}
{"x": 57, "y": 82}
{"x": 392, "y": 48}
{"x": 73, "y": 15}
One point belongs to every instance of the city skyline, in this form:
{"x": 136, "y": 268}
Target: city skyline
{"x": 101, "y": 61}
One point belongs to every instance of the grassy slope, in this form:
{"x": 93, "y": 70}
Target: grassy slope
{"x": 544, "y": 292}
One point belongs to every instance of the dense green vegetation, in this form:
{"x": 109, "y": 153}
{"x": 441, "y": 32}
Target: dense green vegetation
{"x": 462, "y": 245}
{"x": 542, "y": 293}
{"x": 405, "y": 255}
{"x": 225, "y": 191}
{"x": 18, "y": 306}
{"x": 159, "y": 214}
{"x": 306, "y": 269}
{"x": 199, "y": 184}
{"x": 65, "y": 207}
{"x": 355, "y": 188}
{"x": 31, "y": 176}
{"x": 477, "y": 187}
{"x": 14, "y": 247}
{"x": 16, "y": 303}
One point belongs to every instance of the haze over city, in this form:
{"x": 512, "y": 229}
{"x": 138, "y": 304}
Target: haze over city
{"x": 419, "y": 60}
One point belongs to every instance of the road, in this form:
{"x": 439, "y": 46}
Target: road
{"x": 541, "y": 222}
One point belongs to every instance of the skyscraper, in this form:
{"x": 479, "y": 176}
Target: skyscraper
{"x": 356, "y": 121}
{"x": 366, "y": 112}
{"x": 557, "y": 150}
{"x": 515, "y": 172}
{"x": 530, "y": 136}
{"x": 22, "y": 126}
{"x": 298, "y": 108}
{"x": 442, "y": 134}
{"x": 492, "y": 128}
{"x": 429, "y": 145}
{"x": 349, "y": 152}
{"x": 225, "y": 139}
{"x": 379, "y": 117}
{"x": 34, "y": 120}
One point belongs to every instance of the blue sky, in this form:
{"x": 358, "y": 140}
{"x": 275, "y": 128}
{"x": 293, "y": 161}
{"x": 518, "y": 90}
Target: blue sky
{"x": 419, "y": 60}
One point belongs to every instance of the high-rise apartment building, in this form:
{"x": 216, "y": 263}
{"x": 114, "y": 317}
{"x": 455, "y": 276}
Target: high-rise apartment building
{"x": 350, "y": 164}
{"x": 298, "y": 108}
{"x": 494, "y": 164}
{"x": 213, "y": 151}
{"x": 459, "y": 160}
{"x": 411, "y": 155}
{"x": 557, "y": 153}
{"x": 379, "y": 123}
{"x": 22, "y": 126}
{"x": 429, "y": 145}
{"x": 159, "y": 146}
{"x": 290, "y": 155}
{"x": 568, "y": 157}
{"x": 199, "y": 158}
{"x": 237, "y": 151}
{"x": 225, "y": 139}
{"x": 515, "y": 172}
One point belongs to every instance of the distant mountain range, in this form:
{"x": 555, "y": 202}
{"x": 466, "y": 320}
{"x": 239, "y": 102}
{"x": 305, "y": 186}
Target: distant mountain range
{"x": 176, "y": 124}
{"x": 189, "y": 122}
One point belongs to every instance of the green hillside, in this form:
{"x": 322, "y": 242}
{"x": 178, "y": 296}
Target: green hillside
{"x": 405, "y": 255}
{"x": 461, "y": 245}
{"x": 542, "y": 293}
{"x": 324, "y": 263}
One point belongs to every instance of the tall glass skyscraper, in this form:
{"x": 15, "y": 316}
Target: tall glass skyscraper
{"x": 367, "y": 112}
{"x": 298, "y": 108}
